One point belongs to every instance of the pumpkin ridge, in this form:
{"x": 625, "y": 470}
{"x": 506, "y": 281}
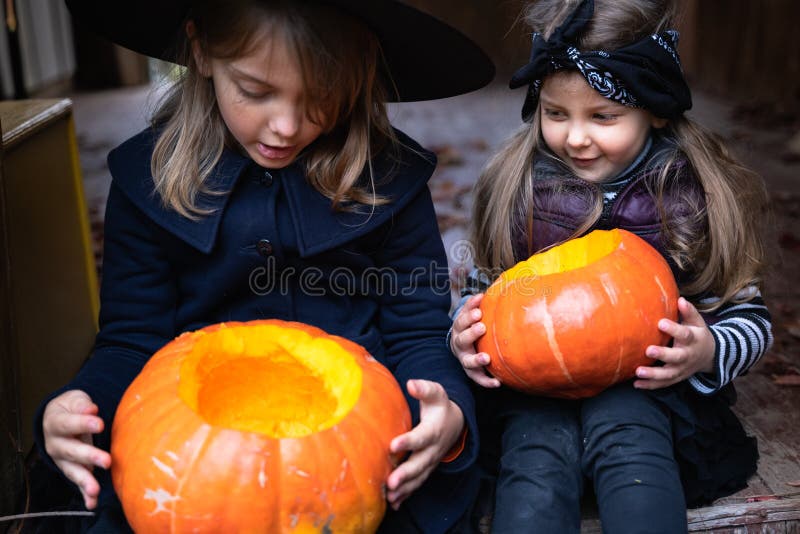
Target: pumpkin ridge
{"x": 610, "y": 291}
{"x": 272, "y": 487}
{"x": 507, "y": 284}
{"x": 660, "y": 286}
{"x": 618, "y": 370}
{"x": 187, "y": 472}
{"x": 311, "y": 459}
{"x": 346, "y": 451}
{"x": 547, "y": 324}
{"x": 319, "y": 457}
{"x": 368, "y": 424}
{"x": 278, "y": 484}
{"x": 500, "y": 359}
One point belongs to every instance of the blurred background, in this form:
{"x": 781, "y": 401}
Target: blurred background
{"x": 68, "y": 97}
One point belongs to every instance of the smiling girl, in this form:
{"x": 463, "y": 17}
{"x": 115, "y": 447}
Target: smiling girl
{"x": 605, "y": 145}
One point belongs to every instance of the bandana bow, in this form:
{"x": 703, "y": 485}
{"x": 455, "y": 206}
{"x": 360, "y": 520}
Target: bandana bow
{"x": 646, "y": 73}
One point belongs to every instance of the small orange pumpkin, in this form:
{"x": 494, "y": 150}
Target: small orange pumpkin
{"x": 266, "y": 426}
{"x": 573, "y": 320}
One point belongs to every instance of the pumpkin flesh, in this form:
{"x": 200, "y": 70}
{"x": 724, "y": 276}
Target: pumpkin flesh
{"x": 577, "y": 318}
{"x": 257, "y": 427}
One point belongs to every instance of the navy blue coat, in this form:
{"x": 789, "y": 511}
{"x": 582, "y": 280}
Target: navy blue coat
{"x": 273, "y": 248}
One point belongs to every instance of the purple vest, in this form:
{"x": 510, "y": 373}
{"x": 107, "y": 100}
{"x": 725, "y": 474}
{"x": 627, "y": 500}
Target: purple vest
{"x": 562, "y": 202}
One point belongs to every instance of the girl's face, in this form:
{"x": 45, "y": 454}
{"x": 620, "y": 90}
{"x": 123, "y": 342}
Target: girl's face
{"x": 261, "y": 97}
{"x": 596, "y": 137}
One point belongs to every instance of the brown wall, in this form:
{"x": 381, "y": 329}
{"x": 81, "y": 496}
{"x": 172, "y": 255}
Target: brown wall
{"x": 749, "y": 49}
{"x": 746, "y": 49}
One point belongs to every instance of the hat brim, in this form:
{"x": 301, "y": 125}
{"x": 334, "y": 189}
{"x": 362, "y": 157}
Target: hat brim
{"x": 426, "y": 58}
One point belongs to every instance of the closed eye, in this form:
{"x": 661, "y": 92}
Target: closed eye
{"x": 252, "y": 95}
{"x": 554, "y": 114}
{"x": 604, "y": 117}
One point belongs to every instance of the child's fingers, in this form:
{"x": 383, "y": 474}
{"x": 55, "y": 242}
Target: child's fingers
{"x": 682, "y": 334}
{"x": 474, "y": 361}
{"x": 482, "y": 379}
{"x": 81, "y": 403}
{"x": 464, "y": 340}
{"x": 466, "y": 318}
{"x": 427, "y": 391}
{"x": 656, "y": 377}
{"x": 74, "y": 401}
{"x": 474, "y": 301}
{"x": 475, "y": 367}
{"x": 78, "y": 450}
{"x": 689, "y": 314}
{"x": 85, "y": 481}
{"x": 408, "y": 476}
{"x": 72, "y": 424}
{"x": 669, "y": 355}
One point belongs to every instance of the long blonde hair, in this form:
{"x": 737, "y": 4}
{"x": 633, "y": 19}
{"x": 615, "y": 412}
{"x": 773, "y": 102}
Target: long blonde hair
{"x": 725, "y": 259}
{"x": 338, "y": 58}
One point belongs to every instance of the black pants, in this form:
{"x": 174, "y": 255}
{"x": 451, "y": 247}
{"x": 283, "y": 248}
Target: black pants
{"x": 620, "y": 440}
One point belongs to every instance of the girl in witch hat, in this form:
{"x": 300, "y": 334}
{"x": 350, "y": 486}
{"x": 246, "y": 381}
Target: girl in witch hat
{"x": 606, "y": 144}
{"x": 273, "y": 158}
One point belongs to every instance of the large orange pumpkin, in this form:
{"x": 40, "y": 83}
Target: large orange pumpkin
{"x": 573, "y": 320}
{"x": 266, "y": 426}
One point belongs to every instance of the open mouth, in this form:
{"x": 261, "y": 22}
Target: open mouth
{"x": 275, "y": 152}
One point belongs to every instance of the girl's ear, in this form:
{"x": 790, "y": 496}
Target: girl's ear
{"x": 199, "y": 58}
{"x": 658, "y": 122}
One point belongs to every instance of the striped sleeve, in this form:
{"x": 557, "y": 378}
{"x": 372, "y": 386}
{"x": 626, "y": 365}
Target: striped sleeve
{"x": 742, "y": 334}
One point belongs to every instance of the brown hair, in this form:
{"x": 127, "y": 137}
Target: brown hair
{"x": 338, "y": 58}
{"x": 724, "y": 257}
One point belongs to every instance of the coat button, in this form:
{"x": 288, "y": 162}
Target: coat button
{"x": 264, "y": 247}
{"x": 266, "y": 180}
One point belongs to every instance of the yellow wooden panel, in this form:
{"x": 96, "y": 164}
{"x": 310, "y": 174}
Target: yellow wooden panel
{"x": 54, "y": 283}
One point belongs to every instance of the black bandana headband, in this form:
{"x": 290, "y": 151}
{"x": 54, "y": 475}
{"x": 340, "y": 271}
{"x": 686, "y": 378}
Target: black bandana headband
{"x": 645, "y": 74}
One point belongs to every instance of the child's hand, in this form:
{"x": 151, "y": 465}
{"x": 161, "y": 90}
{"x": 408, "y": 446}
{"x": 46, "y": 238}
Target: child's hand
{"x": 692, "y": 350}
{"x": 69, "y": 421}
{"x": 466, "y": 331}
{"x": 440, "y": 425}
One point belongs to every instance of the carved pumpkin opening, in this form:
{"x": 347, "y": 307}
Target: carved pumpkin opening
{"x": 275, "y": 381}
{"x": 574, "y": 254}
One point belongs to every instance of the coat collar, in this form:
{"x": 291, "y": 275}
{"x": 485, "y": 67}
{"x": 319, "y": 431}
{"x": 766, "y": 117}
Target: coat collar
{"x": 318, "y": 227}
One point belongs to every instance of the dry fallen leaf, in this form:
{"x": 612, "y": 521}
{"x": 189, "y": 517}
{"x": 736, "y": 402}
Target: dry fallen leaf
{"x": 478, "y": 144}
{"x": 448, "y": 155}
{"x": 760, "y": 498}
{"x": 448, "y": 221}
{"x": 786, "y": 380}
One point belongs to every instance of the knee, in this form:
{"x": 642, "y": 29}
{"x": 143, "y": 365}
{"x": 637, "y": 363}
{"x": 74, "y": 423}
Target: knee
{"x": 627, "y": 428}
{"x": 541, "y": 442}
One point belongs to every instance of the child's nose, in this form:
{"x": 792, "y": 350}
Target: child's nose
{"x": 286, "y": 123}
{"x": 578, "y": 136}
